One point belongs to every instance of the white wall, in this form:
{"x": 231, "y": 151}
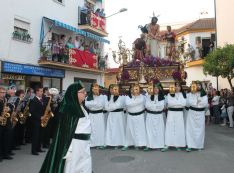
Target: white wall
{"x": 31, "y": 11}
{"x": 191, "y": 37}
{"x": 224, "y": 22}
{"x": 70, "y": 75}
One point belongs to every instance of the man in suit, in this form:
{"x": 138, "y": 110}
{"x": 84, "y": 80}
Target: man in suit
{"x": 36, "y": 108}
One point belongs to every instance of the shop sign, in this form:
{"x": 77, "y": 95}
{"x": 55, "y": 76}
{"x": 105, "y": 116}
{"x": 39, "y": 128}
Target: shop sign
{"x": 13, "y": 77}
{"x": 9, "y": 67}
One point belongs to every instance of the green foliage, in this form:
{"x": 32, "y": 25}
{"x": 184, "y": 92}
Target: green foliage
{"x": 220, "y": 62}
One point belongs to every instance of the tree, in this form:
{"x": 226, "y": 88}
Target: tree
{"x": 220, "y": 62}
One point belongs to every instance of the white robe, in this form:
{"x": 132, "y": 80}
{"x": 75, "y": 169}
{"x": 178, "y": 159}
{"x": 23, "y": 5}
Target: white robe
{"x": 135, "y": 129}
{"x": 115, "y": 131}
{"x": 175, "y": 131}
{"x": 155, "y": 127}
{"x": 78, "y": 157}
{"x": 97, "y": 120}
{"x": 195, "y": 124}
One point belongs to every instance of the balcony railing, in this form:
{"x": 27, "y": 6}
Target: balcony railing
{"x": 62, "y": 56}
{"x": 93, "y": 23}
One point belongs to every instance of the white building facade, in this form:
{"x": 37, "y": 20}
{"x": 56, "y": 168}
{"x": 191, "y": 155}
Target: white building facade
{"x": 25, "y": 24}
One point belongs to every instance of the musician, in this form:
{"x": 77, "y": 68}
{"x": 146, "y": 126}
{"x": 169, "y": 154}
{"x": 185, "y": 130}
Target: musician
{"x": 4, "y": 129}
{"x": 36, "y": 108}
{"x": 70, "y": 149}
{"x": 195, "y": 124}
{"x": 19, "y": 128}
{"x": 95, "y": 102}
{"x": 175, "y": 130}
{"x": 28, "y": 124}
{"x": 155, "y": 103}
{"x": 115, "y": 130}
{"x": 46, "y": 131}
{"x": 135, "y": 130}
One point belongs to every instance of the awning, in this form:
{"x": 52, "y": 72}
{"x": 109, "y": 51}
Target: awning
{"x": 71, "y": 28}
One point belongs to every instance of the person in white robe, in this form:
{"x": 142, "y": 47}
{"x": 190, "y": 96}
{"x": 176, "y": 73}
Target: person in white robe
{"x": 155, "y": 128}
{"x": 195, "y": 124}
{"x": 78, "y": 157}
{"x": 135, "y": 129}
{"x": 175, "y": 131}
{"x": 115, "y": 132}
{"x": 95, "y": 104}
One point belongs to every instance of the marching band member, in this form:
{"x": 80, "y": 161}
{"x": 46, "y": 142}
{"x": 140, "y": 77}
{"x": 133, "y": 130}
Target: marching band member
{"x": 96, "y": 103}
{"x": 37, "y": 109}
{"x": 155, "y": 127}
{"x": 4, "y": 127}
{"x": 115, "y": 132}
{"x": 175, "y": 131}
{"x": 135, "y": 130}
{"x": 195, "y": 124}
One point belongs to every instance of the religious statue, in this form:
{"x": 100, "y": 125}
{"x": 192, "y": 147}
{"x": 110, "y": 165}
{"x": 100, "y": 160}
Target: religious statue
{"x": 153, "y": 38}
{"x": 170, "y": 47}
{"x": 139, "y": 47}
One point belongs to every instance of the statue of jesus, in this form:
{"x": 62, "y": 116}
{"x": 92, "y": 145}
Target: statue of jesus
{"x": 153, "y": 38}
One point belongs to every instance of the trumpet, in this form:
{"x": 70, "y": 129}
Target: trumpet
{"x": 5, "y": 114}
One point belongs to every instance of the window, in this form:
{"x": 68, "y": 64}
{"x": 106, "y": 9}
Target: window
{"x": 21, "y": 30}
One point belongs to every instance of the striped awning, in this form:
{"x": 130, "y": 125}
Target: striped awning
{"x": 71, "y": 28}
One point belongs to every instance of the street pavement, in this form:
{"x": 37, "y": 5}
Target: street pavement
{"x": 218, "y": 157}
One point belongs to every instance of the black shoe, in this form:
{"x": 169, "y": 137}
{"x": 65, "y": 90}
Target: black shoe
{"x": 40, "y": 151}
{"x": 8, "y": 157}
{"x": 46, "y": 146}
{"x": 16, "y": 148}
{"x": 35, "y": 153}
{"x": 11, "y": 154}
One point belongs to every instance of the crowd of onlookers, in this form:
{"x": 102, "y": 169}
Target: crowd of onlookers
{"x": 220, "y": 109}
{"x": 58, "y": 48}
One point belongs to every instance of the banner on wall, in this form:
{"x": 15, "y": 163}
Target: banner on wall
{"x": 98, "y": 22}
{"x": 82, "y": 59}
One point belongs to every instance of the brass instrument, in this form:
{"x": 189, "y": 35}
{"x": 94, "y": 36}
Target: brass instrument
{"x": 47, "y": 114}
{"x": 26, "y": 113}
{"x": 172, "y": 89}
{"x": 5, "y": 114}
{"x": 17, "y": 114}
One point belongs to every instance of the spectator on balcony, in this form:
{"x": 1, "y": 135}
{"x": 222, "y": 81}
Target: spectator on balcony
{"x": 87, "y": 48}
{"x": 55, "y": 49}
{"x": 69, "y": 44}
{"x": 62, "y": 51}
{"x": 82, "y": 46}
{"x": 91, "y": 48}
{"x": 77, "y": 42}
{"x": 102, "y": 14}
{"x": 97, "y": 12}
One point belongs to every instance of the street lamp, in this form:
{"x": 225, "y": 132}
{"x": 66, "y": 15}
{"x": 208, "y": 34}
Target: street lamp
{"x": 120, "y": 11}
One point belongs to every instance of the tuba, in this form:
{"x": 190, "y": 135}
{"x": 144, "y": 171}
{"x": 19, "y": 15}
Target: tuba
{"x": 48, "y": 113}
{"x": 5, "y": 114}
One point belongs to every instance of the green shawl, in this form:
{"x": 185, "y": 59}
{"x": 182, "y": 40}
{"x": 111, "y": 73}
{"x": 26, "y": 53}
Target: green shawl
{"x": 54, "y": 162}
